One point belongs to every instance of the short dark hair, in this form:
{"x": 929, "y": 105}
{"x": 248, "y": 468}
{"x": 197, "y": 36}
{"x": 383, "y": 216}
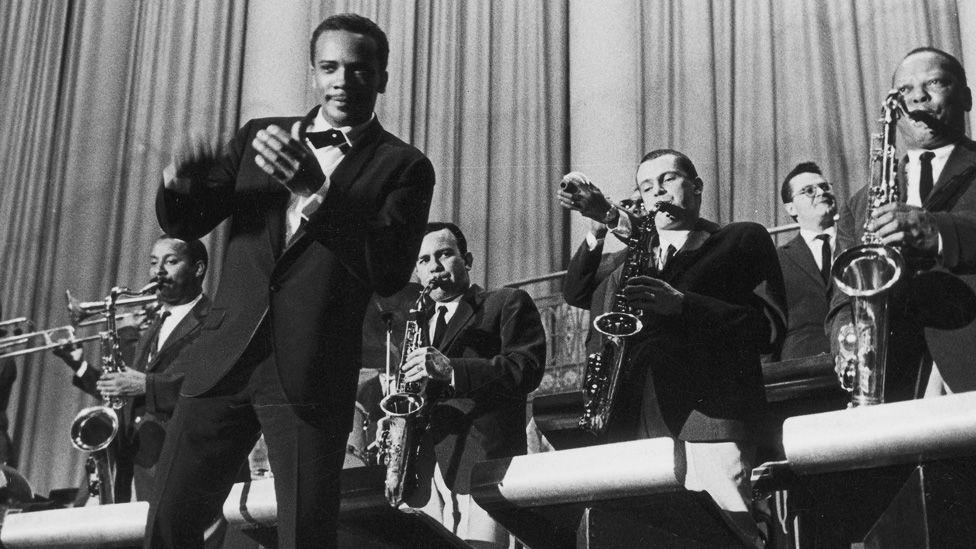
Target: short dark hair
{"x": 195, "y": 250}
{"x": 681, "y": 160}
{"x": 785, "y": 191}
{"x": 952, "y": 64}
{"x": 435, "y": 226}
{"x": 352, "y": 22}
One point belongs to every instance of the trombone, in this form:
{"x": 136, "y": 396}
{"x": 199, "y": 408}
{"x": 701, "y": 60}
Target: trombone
{"x": 81, "y": 313}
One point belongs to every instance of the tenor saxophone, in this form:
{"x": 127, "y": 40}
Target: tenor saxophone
{"x": 867, "y": 273}
{"x": 94, "y": 428}
{"x": 405, "y": 411}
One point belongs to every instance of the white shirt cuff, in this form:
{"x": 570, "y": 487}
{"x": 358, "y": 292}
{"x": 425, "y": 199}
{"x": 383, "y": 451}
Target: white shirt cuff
{"x": 80, "y": 372}
{"x": 592, "y": 241}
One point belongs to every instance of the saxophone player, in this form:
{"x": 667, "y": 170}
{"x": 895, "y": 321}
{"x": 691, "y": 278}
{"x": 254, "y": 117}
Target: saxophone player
{"x": 693, "y": 371}
{"x": 489, "y": 348}
{"x": 151, "y": 383}
{"x": 932, "y": 323}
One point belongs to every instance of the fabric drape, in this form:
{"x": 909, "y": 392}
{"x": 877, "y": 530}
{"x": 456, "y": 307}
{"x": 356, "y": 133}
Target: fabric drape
{"x": 95, "y": 95}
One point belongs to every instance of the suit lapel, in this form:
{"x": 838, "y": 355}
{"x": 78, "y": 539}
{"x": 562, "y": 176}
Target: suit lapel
{"x": 689, "y": 252}
{"x": 340, "y": 183}
{"x": 461, "y": 318}
{"x": 954, "y": 179}
{"x": 798, "y": 252}
{"x": 185, "y": 327}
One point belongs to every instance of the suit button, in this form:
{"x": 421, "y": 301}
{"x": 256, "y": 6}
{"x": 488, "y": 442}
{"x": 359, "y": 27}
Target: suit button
{"x": 274, "y": 287}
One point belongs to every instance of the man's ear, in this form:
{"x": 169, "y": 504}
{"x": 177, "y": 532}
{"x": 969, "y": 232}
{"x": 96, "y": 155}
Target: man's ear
{"x": 790, "y": 209}
{"x": 384, "y": 78}
{"x": 698, "y": 185}
{"x": 201, "y": 270}
{"x": 967, "y": 99}
{"x": 468, "y": 260}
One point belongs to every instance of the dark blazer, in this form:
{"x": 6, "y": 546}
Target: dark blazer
{"x": 314, "y": 289}
{"x": 705, "y": 381}
{"x": 932, "y": 311}
{"x": 143, "y": 418}
{"x": 807, "y": 298}
{"x": 497, "y": 347}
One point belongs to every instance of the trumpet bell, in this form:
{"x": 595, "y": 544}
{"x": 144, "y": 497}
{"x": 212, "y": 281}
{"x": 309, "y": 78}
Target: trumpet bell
{"x": 868, "y": 270}
{"x": 94, "y": 428}
{"x": 617, "y": 324}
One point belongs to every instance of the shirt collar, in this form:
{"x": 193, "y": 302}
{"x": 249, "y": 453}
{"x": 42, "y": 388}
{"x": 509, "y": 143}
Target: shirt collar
{"x": 941, "y": 154}
{"x": 676, "y": 238}
{"x": 811, "y": 236}
{"x": 352, "y": 133}
{"x": 181, "y": 310}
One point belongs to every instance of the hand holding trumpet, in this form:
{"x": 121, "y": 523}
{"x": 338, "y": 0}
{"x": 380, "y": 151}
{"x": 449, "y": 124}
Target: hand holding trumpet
{"x": 576, "y": 192}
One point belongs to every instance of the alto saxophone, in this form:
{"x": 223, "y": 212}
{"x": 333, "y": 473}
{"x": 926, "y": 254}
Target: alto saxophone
{"x": 867, "y": 273}
{"x": 604, "y": 370}
{"x": 405, "y": 412}
{"x": 94, "y": 428}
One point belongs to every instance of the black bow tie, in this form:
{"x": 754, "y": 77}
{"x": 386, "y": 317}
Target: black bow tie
{"x": 332, "y": 138}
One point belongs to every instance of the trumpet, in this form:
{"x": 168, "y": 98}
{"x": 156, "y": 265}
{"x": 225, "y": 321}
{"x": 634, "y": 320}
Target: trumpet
{"x": 81, "y": 314}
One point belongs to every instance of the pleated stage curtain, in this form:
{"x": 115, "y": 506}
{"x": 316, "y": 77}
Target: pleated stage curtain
{"x": 504, "y": 96}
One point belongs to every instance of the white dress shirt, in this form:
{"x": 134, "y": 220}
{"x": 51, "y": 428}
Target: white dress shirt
{"x": 176, "y": 315}
{"x": 913, "y": 171}
{"x": 816, "y": 245}
{"x": 301, "y": 207}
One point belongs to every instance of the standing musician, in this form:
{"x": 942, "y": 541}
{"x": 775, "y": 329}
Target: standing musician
{"x": 151, "y": 383}
{"x": 694, "y": 370}
{"x": 932, "y": 315}
{"x": 318, "y": 222}
{"x": 489, "y": 347}
{"x": 806, "y": 259}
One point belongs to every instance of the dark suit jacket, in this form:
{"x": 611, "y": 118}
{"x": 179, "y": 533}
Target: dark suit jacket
{"x": 497, "y": 347}
{"x": 143, "y": 418}
{"x": 705, "y": 380}
{"x": 312, "y": 291}
{"x": 807, "y": 298}
{"x": 934, "y": 310}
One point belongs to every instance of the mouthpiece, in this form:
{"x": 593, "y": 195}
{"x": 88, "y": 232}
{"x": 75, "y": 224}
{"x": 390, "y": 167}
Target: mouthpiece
{"x": 151, "y": 287}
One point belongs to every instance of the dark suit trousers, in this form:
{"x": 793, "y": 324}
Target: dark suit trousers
{"x": 209, "y": 438}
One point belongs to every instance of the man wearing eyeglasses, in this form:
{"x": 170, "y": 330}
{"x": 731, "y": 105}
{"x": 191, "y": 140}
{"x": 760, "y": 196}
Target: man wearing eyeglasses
{"x": 806, "y": 260}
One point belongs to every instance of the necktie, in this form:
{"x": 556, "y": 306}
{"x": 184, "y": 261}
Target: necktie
{"x": 440, "y": 326}
{"x": 327, "y": 138}
{"x": 154, "y": 336}
{"x": 825, "y": 256}
{"x": 665, "y": 257}
{"x": 925, "y": 175}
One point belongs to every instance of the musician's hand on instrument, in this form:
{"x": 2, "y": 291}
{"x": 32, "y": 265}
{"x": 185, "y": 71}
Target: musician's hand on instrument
{"x": 654, "y": 295}
{"x": 910, "y": 226}
{"x": 192, "y": 161}
{"x": 70, "y": 352}
{"x": 285, "y": 157}
{"x": 427, "y": 362}
{"x": 123, "y": 383}
{"x": 578, "y": 193}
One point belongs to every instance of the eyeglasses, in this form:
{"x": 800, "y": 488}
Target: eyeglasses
{"x": 811, "y": 190}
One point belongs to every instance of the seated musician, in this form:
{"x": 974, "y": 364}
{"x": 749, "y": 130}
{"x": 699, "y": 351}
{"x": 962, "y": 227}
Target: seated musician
{"x": 809, "y": 199}
{"x": 932, "y": 319}
{"x": 489, "y": 347}
{"x": 151, "y": 383}
{"x": 695, "y": 373}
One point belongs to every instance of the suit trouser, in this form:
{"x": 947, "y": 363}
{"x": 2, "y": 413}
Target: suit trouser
{"x": 209, "y": 438}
